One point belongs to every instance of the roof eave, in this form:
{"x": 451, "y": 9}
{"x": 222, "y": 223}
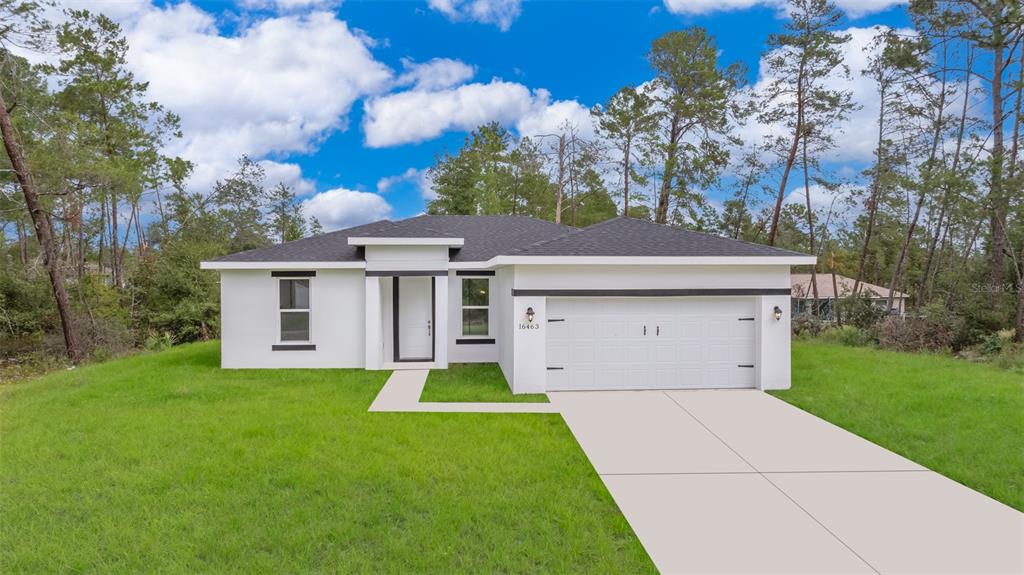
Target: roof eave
{"x": 281, "y": 265}
{"x": 375, "y": 241}
{"x": 795, "y": 260}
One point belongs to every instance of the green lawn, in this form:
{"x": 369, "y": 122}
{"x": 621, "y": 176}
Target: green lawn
{"x": 473, "y": 382}
{"x": 164, "y": 462}
{"x": 963, "y": 420}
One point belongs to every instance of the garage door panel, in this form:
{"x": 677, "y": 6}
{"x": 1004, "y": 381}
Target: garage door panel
{"x": 558, "y": 353}
{"x": 611, "y": 328}
{"x": 612, "y": 352}
{"x": 581, "y": 328}
{"x": 583, "y": 352}
{"x": 688, "y": 343}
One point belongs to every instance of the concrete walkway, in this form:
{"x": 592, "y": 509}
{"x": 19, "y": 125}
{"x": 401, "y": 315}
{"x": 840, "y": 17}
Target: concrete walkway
{"x": 402, "y": 392}
{"x": 741, "y": 482}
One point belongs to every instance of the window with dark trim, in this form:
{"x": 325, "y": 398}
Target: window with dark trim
{"x": 294, "y": 309}
{"x": 476, "y": 306}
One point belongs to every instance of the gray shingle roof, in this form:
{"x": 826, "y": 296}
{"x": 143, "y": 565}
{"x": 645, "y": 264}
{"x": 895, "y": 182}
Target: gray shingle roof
{"x": 489, "y": 236}
{"x": 631, "y": 237}
{"x": 329, "y": 247}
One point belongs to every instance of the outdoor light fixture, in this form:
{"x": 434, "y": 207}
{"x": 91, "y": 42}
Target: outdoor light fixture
{"x": 529, "y": 314}
{"x": 778, "y": 313}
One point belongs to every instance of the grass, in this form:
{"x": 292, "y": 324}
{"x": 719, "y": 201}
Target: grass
{"x": 164, "y": 462}
{"x": 473, "y": 382}
{"x": 963, "y": 420}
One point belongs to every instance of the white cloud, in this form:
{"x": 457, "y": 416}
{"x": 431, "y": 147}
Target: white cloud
{"x": 706, "y": 6}
{"x": 501, "y": 13}
{"x": 275, "y": 86}
{"x": 435, "y": 74}
{"x": 419, "y": 178}
{"x": 341, "y": 208}
{"x": 853, "y": 8}
{"x": 289, "y": 175}
{"x": 544, "y": 118}
{"x": 290, "y": 5}
{"x": 417, "y": 115}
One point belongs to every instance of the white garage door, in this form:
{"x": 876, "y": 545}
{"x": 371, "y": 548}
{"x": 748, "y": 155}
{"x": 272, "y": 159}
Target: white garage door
{"x": 650, "y": 343}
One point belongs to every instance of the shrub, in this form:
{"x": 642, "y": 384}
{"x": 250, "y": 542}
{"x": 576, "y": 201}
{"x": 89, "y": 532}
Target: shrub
{"x": 860, "y": 311}
{"x": 806, "y": 325}
{"x": 850, "y": 336}
{"x": 1011, "y": 358}
{"x": 994, "y": 343}
{"x": 158, "y": 342}
{"x": 934, "y": 330}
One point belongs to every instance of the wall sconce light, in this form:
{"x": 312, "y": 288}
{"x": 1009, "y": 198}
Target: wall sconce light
{"x": 529, "y": 314}
{"x": 778, "y": 313}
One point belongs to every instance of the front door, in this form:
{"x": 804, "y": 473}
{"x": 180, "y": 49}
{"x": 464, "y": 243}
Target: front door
{"x": 415, "y": 318}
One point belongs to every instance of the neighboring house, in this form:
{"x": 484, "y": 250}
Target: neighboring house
{"x": 803, "y": 295}
{"x": 623, "y": 304}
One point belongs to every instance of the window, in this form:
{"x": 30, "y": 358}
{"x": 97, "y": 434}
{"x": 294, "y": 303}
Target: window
{"x": 476, "y": 301}
{"x": 294, "y": 310}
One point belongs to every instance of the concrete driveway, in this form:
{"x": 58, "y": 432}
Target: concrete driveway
{"x": 741, "y": 482}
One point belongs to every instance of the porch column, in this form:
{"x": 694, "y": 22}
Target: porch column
{"x": 440, "y": 322}
{"x": 374, "y": 341}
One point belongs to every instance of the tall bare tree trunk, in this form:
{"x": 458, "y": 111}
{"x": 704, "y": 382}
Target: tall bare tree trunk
{"x": 115, "y": 262}
{"x": 22, "y": 242}
{"x": 926, "y": 181}
{"x": 626, "y": 163}
{"x": 997, "y": 207}
{"x": 44, "y": 230}
{"x": 791, "y": 156}
{"x": 1012, "y": 176}
{"x": 835, "y": 289}
{"x": 102, "y": 238}
{"x": 810, "y": 224}
{"x": 561, "y": 178}
{"x": 876, "y": 187}
{"x": 671, "y": 149}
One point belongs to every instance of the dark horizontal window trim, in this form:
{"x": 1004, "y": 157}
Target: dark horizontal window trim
{"x": 293, "y": 274}
{"x": 649, "y": 292}
{"x": 294, "y": 347}
{"x": 474, "y": 273}
{"x": 400, "y": 273}
{"x": 474, "y": 341}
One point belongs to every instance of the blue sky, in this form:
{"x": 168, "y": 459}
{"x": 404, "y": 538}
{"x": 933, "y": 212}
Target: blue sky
{"x": 290, "y": 81}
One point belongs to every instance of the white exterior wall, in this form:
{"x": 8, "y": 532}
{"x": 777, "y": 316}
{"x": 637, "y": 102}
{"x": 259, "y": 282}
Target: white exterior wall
{"x": 773, "y": 336}
{"x": 404, "y": 258}
{"x": 502, "y": 304}
{"x": 773, "y": 358}
{"x": 249, "y": 320}
{"x": 650, "y": 277}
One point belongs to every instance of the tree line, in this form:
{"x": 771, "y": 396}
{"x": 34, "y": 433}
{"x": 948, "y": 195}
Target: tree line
{"x": 102, "y": 238}
{"x": 938, "y": 213}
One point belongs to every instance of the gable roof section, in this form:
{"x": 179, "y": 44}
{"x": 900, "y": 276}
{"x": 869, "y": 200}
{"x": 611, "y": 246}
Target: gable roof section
{"x": 485, "y": 237}
{"x": 802, "y": 287}
{"x": 329, "y": 247}
{"x": 489, "y": 236}
{"x": 630, "y": 237}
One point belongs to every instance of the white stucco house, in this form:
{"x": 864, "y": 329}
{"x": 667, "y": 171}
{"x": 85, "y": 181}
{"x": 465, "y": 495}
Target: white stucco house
{"x": 623, "y": 304}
